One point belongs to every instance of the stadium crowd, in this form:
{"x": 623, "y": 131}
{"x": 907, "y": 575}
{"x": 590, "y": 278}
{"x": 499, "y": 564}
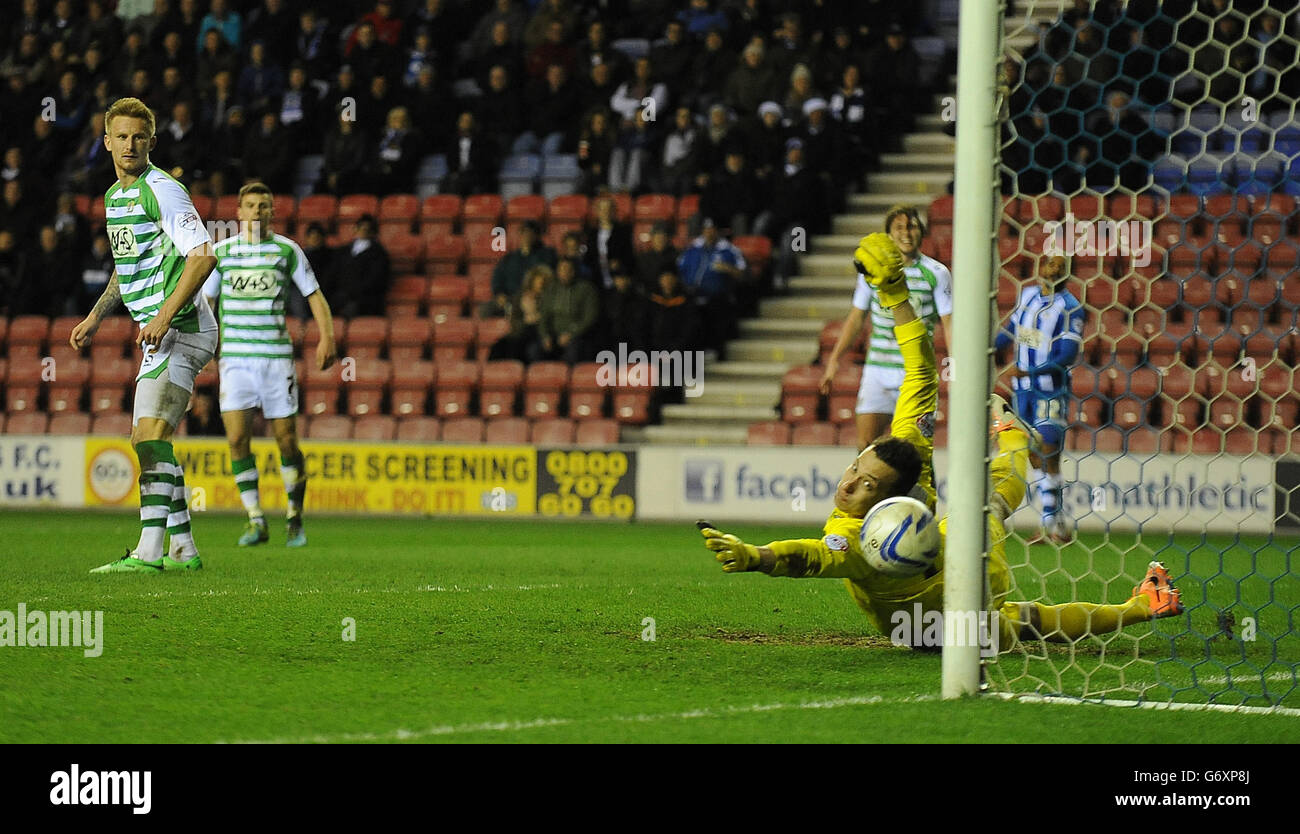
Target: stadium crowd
{"x": 768, "y": 110}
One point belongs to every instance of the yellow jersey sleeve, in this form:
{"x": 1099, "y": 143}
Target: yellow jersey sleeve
{"x": 918, "y": 398}
{"x": 837, "y": 554}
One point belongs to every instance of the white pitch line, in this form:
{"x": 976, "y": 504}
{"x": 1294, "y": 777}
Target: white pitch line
{"x": 640, "y": 718}
{"x": 1061, "y": 700}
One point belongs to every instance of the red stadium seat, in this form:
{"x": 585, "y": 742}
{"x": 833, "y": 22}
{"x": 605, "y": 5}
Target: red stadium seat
{"x": 330, "y": 427}
{"x": 568, "y": 208}
{"x": 1141, "y": 207}
{"x": 419, "y": 430}
{"x": 106, "y": 425}
{"x": 27, "y": 336}
{"x": 398, "y": 210}
{"x": 596, "y": 433}
{"x": 800, "y": 394}
{"x": 23, "y": 384}
{"x": 506, "y": 430}
{"x": 481, "y": 213}
{"x": 64, "y": 390}
{"x": 440, "y": 214}
{"x": 412, "y": 382}
{"x": 311, "y": 335}
{"x": 544, "y": 385}
{"x": 205, "y": 206}
{"x": 525, "y": 207}
{"x": 630, "y": 405}
{"x": 375, "y": 427}
{"x": 318, "y": 208}
{"x": 405, "y": 251}
{"x": 443, "y": 254}
{"x": 366, "y": 392}
{"x": 941, "y": 208}
{"x": 406, "y": 295}
{"x": 457, "y": 381}
{"x": 408, "y": 339}
{"x": 553, "y": 431}
{"x": 109, "y": 384}
{"x": 65, "y": 424}
{"x": 654, "y": 208}
{"x": 27, "y": 422}
{"x": 586, "y": 394}
{"x": 353, "y": 206}
{"x": 771, "y": 433}
{"x": 843, "y": 401}
{"x": 367, "y": 336}
{"x": 320, "y": 389}
{"x": 499, "y": 387}
{"x": 814, "y": 434}
{"x": 448, "y": 297}
{"x": 453, "y": 340}
{"x": 487, "y": 333}
{"x": 462, "y": 430}
{"x": 757, "y": 251}
{"x": 285, "y": 210}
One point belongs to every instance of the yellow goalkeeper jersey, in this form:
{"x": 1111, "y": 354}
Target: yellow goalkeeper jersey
{"x": 838, "y": 554}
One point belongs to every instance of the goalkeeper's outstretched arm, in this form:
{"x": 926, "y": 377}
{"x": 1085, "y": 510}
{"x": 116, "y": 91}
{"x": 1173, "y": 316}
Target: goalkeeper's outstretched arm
{"x": 795, "y": 558}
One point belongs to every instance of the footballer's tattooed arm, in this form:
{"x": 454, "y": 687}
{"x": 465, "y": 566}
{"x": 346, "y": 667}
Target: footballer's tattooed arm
{"x": 107, "y": 303}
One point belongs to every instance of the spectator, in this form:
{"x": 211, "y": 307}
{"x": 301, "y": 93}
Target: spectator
{"x": 311, "y": 43}
{"x": 73, "y": 229}
{"x": 675, "y": 173}
{"x": 674, "y": 319}
{"x": 713, "y": 62}
{"x": 18, "y": 212}
{"x": 834, "y": 59}
{"x": 672, "y": 58}
{"x": 94, "y": 68}
{"x": 370, "y": 56}
{"x": 573, "y": 246}
{"x": 632, "y": 160}
{"x": 260, "y": 82}
{"x": 596, "y": 50}
{"x": 798, "y": 200}
{"x": 164, "y": 97}
{"x": 555, "y": 49}
{"x": 13, "y": 164}
{"x": 624, "y": 315}
{"x": 733, "y": 195}
{"x": 501, "y": 107}
{"x": 659, "y": 258}
{"x": 57, "y": 270}
{"x": 751, "y": 83}
{"x": 102, "y": 28}
{"x": 51, "y": 65}
{"x": 500, "y": 52}
{"x": 372, "y": 111}
{"x": 17, "y": 297}
{"x": 710, "y": 270}
{"x": 554, "y": 112}
{"x": 175, "y": 53}
{"x": 472, "y": 159}
{"x": 386, "y": 28}
{"x": 96, "y": 268}
{"x": 419, "y": 55}
{"x": 851, "y": 111}
{"x": 598, "y": 87}
{"x": 548, "y": 12}
{"x": 216, "y": 56}
{"x": 800, "y": 91}
{"x": 45, "y": 151}
{"x": 90, "y": 168}
{"x": 322, "y": 259}
{"x": 523, "y": 339}
{"x": 346, "y": 152}
{"x": 431, "y": 101}
{"x": 442, "y": 20}
{"x": 182, "y": 148}
{"x": 221, "y": 18}
{"x": 503, "y": 11}
{"x": 788, "y": 48}
{"x": 609, "y": 243}
{"x": 894, "y": 68}
{"x": 1124, "y": 146}
{"x": 700, "y": 18}
{"x": 300, "y": 111}
{"x": 268, "y": 155}
{"x": 631, "y": 96}
{"x": 595, "y": 147}
{"x": 569, "y": 312}
{"x": 346, "y": 86}
{"x": 361, "y": 274}
{"x": 398, "y": 154}
{"x": 508, "y": 276}
{"x": 272, "y": 23}
{"x": 227, "y": 156}
{"x": 186, "y": 20}
{"x": 765, "y": 143}
{"x": 712, "y": 145}
{"x": 217, "y": 102}
{"x": 133, "y": 58}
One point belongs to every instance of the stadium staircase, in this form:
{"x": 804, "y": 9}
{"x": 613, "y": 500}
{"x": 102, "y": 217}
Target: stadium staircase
{"x": 746, "y": 388}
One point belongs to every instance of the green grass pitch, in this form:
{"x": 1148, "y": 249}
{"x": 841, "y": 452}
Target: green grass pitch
{"x": 531, "y": 631}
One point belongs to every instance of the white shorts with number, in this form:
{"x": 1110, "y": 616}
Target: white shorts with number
{"x": 251, "y": 382}
{"x": 167, "y": 373}
{"x": 878, "y": 393}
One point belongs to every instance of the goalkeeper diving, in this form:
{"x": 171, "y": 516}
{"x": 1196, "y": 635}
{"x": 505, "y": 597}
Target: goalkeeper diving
{"x": 899, "y": 465}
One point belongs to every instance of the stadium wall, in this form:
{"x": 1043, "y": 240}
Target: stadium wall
{"x": 764, "y": 484}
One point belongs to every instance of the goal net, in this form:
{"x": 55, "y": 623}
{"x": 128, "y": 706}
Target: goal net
{"x": 1157, "y": 145}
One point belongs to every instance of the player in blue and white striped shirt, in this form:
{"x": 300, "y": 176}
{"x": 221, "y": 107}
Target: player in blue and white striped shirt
{"x": 1046, "y": 330}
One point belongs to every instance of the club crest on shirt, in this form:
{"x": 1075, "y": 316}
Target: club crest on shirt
{"x": 925, "y": 424}
{"x": 835, "y": 542}
{"x": 121, "y": 240}
{"x": 189, "y": 221}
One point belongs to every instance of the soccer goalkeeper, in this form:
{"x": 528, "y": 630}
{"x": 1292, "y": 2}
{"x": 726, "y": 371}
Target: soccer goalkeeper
{"x": 900, "y": 464}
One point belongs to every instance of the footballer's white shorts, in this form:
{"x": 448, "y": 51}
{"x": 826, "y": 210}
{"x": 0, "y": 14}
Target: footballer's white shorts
{"x": 167, "y": 373}
{"x": 253, "y": 382}
{"x": 878, "y": 393}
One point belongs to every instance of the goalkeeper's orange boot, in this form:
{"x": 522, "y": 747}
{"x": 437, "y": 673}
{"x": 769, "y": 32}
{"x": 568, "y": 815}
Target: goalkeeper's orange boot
{"x": 1158, "y": 588}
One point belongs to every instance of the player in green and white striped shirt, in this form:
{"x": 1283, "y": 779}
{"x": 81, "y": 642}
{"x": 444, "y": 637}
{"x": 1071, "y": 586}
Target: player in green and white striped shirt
{"x": 930, "y": 284}
{"x": 251, "y": 280}
{"x": 162, "y": 254}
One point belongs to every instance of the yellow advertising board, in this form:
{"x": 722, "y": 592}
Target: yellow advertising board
{"x": 341, "y": 477}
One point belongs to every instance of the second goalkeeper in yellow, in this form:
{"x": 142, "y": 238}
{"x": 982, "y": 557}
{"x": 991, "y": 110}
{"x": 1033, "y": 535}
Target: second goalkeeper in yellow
{"x": 900, "y": 464}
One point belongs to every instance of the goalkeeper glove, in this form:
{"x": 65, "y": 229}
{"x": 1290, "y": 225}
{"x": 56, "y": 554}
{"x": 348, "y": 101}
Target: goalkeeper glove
{"x": 878, "y": 260}
{"x": 735, "y": 555}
